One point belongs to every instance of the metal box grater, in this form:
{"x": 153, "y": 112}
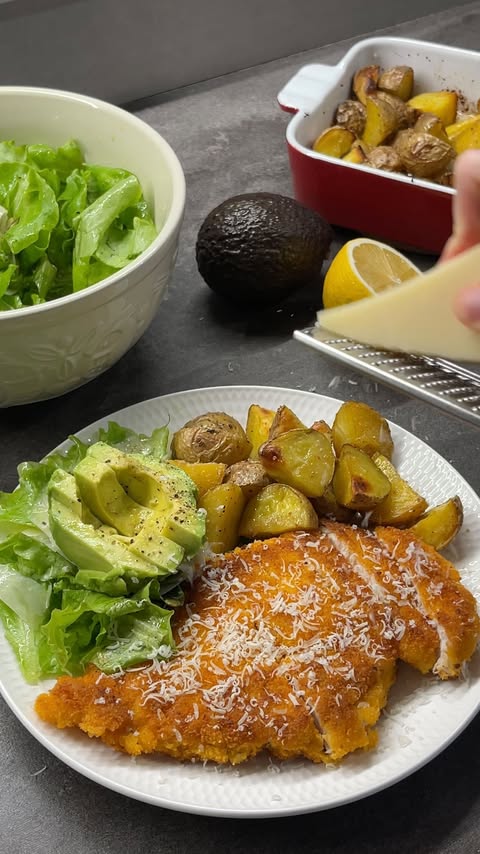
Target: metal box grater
{"x": 449, "y": 386}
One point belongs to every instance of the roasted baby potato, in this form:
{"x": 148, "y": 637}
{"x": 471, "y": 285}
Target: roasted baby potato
{"x": 397, "y": 81}
{"x": 300, "y": 458}
{"x": 381, "y": 123}
{"x": 224, "y": 505}
{"x": 284, "y": 421}
{"x": 204, "y": 475}
{"x": 403, "y": 505}
{"x": 358, "y": 483}
{"x": 334, "y": 141}
{"x": 352, "y": 116}
{"x": 365, "y": 82}
{"x": 211, "y": 438}
{"x": 384, "y": 157}
{"x": 359, "y": 425}
{"x": 259, "y": 421}
{"x": 440, "y": 524}
{"x": 278, "y": 508}
{"x": 249, "y": 475}
{"x": 442, "y": 104}
{"x": 423, "y": 155}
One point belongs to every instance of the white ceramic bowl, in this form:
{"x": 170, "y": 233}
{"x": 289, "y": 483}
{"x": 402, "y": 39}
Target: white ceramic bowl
{"x": 49, "y": 349}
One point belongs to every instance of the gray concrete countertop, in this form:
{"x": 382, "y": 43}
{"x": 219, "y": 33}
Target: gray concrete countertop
{"x": 229, "y": 135}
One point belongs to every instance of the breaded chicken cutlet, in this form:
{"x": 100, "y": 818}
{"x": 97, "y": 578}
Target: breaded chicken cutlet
{"x": 287, "y": 645}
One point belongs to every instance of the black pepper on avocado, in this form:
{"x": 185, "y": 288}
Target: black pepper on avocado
{"x": 261, "y": 247}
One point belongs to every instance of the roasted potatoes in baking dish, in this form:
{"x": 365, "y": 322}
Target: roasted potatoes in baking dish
{"x": 286, "y": 475}
{"x": 385, "y": 126}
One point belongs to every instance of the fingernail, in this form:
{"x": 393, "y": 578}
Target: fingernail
{"x": 467, "y": 307}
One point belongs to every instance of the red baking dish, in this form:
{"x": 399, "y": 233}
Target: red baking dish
{"x": 410, "y": 212}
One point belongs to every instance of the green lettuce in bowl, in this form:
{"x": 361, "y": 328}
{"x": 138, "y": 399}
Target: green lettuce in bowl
{"x": 64, "y": 224}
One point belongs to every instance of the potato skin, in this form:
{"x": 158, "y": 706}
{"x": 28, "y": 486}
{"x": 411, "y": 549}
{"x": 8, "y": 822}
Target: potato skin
{"x": 386, "y": 158}
{"x": 352, "y": 116}
{"x": 398, "y": 81}
{"x": 214, "y": 437}
{"x": 249, "y": 475}
{"x": 423, "y": 155}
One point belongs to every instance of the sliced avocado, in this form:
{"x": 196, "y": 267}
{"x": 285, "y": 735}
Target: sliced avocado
{"x": 106, "y": 560}
{"x": 165, "y": 494}
{"x": 101, "y": 492}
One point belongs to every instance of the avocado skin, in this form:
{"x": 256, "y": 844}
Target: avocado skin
{"x": 260, "y": 247}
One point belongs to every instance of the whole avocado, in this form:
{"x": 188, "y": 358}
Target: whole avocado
{"x": 260, "y": 247}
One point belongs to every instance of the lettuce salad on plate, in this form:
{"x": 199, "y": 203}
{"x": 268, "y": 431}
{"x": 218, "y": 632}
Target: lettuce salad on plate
{"x": 56, "y": 615}
{"x": 64, "y": 224}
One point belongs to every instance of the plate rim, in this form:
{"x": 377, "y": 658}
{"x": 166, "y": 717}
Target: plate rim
{"x": 203, "y": 809}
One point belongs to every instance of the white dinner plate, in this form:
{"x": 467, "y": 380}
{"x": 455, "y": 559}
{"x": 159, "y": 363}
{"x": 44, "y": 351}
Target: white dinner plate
{"x": 423, "y": 714}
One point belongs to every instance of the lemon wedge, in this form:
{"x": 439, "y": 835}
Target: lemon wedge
{"x": 364, "y": 268}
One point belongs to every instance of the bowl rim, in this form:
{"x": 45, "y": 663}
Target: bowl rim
{"x": 342, "y": 67}
{"x": 174, "y": 217}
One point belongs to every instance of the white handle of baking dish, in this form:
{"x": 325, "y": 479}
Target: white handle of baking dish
{"x": 307, "y": 88}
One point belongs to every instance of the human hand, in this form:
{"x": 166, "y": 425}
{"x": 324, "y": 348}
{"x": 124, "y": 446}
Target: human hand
{"x": 466, "y": 231}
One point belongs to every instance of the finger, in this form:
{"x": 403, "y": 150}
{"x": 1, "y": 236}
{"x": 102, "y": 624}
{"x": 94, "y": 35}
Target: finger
{"x": 466, "y": 205}
{"x": 467, "y": 307}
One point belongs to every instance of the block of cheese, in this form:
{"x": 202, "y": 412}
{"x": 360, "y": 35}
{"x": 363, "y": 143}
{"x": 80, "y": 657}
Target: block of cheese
{"x": 415, "y": 317}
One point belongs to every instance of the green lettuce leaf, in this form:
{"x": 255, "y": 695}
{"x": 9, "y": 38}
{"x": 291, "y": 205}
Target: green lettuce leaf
{"x": 64, "y": 224}
{"x": 111, "y": 632}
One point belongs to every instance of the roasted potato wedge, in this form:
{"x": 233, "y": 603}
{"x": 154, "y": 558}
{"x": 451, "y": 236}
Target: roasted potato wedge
{"x": 284, "y": 421}
{"x": 259, "y": 421}
{"x": 467, "y": 137}
{"x": 249, "y": 475}
{"x": 365, "y": 82}
{"x": 334, "y": 141}
{"x": 440, "y": 524}
{"x": 224, "y": 506}
{"x": 211, "y": 438}
{"x": 357, "y": 153}
{"x": 358, "y": 483}
{"x": 382, "y": 121}
{"x": 204, "y": 475}
{"x": 328, "y": 505}
{"x": 352, "y": 116}
{"x": 300, "y": 458}
{"x": 403, "y": 505}
{"x": 278, "y": 508}
{"x": 459, "y": 126}
{"x": 442, "y": 104}
{"x": 359, "y": 425}
{"x": 397, "y": 81}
